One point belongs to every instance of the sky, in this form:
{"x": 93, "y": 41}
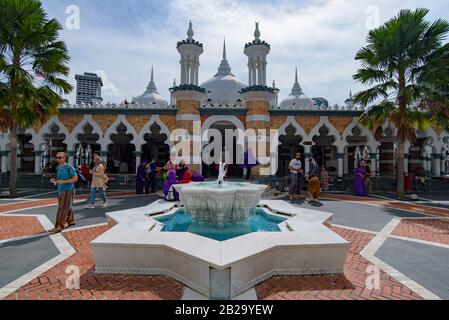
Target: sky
{"x": 122, "y": 39}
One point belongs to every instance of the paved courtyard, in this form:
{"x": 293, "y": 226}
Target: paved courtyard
{"x": 407, "y": 242}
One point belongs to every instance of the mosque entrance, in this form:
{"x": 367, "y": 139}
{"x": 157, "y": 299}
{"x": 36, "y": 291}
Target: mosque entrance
{"x": 234, "y": 169}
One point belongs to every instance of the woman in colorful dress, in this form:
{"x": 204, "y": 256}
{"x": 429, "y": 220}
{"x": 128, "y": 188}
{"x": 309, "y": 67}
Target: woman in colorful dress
{"x": 359, "y": 180}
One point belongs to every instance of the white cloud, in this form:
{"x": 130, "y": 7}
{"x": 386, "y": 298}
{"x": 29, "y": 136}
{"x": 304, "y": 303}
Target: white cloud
{"x": 108, "y": 86}
{"x": 321, "y": 37}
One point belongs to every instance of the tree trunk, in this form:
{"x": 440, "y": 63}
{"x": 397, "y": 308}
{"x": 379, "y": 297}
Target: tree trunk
{"x": 400, "y": 172}
{"x": 13, "y": 131}
{"x": 401, "y": 143}
{"x": 13, "y": 161}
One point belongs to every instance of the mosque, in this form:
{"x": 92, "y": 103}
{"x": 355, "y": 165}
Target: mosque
{"x": 126, "y": 133}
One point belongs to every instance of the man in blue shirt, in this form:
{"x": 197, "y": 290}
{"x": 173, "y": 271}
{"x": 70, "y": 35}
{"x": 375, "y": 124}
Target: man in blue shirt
{"x": 66, "y": 178}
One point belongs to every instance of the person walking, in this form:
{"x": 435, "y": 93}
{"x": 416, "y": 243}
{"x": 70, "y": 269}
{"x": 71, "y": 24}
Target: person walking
{"x": 359, "y": 180}
{"x": 99, "y": 180}
{"x": 151, "y": 173}
{"x": 313, "y": 181}
{"x": 66, "y": 178}
{"x": 296, "y": 177}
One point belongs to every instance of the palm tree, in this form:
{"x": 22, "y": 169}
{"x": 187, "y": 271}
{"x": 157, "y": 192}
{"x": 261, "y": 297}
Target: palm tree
{"x": 399, "y": 63}
{"x": 32, "y": 64}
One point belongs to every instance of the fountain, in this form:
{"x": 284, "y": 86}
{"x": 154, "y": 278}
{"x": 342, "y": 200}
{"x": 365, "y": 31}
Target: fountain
{"x": 220, "y": 240}
{"x": 220, "y": 203}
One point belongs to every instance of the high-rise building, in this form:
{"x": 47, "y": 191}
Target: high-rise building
{"x": 88, "y": 88}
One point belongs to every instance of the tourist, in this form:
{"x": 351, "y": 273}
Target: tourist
{"x": 151, "y": 173}
{"x": 66, "y": 178}
{"x": 324, "y": 179}
{"x": 419, "y": 181}
{"x": 296, "y": 176}
{"x": 99, "y": 180}
{"x": 368, "y": 177}
{"x": 187, "y": 178}
{"x": 170, "y": 193}
{"x": 170, "y": 165}
{"x": 181, "y": 169}
{"x": 141, "y": 177}
{"x": 92, "y": 163}
{"x": 359, "y": 180}
{"x": 313, "y": 181}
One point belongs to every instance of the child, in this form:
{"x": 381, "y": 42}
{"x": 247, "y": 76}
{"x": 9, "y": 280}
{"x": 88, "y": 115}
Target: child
{"x": 324, "y": 179}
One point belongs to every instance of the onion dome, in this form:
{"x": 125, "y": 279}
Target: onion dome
{"x": 151, "y": 97}
{"x": 297, "y": 100}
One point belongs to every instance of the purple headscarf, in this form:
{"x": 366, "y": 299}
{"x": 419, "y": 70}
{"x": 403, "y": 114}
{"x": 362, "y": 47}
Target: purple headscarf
{"x": 171, "y": 180}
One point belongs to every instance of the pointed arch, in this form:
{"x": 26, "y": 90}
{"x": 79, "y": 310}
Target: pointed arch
{"x": 79, "y": 129}
{"x": 147, "y": 128}
{"x": 291, "y": 121}
{"x": 324, "y": 121}
{"x": 121, "y": 119}
{"x": 39, "y": 137}
{"x": 372, "y": 142}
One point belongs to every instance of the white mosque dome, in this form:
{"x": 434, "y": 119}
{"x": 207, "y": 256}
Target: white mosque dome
{"x": 151, "y": 97}
{"x": 297, "y": 100}
{"x": 224, "y": 87}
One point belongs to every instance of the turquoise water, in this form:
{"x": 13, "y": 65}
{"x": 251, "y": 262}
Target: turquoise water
{"x": 260, "y": 222}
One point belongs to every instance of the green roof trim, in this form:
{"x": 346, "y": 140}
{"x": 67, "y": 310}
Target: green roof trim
{"x": 257, "y": 43}
{"x": 258, "y": 88}
{"x": 187, "y": 41}
{"x": 188, "y": 87}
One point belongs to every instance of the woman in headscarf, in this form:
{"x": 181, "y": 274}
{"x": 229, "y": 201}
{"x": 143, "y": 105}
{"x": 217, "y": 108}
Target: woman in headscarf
{"x": 141, "y": 177}
{"x": 359, "y": 180}
{"x": 314, "y": 180}
{"x": 170, "y": 193}
{"x": 187, "y": 177}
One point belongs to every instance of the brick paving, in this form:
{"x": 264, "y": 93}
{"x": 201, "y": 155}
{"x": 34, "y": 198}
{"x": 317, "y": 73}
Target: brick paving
{"x": 50, "y": 201}
{"x": 434, "y": 230}
{"x": 394, "y": 204}
{"x": 13, "y": 227}
{"x": 348, "y": 286}
{"x": 51, "y": 284}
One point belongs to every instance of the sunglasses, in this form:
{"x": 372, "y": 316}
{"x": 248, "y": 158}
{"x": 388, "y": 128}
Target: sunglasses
{"x": 60, "y": 158}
